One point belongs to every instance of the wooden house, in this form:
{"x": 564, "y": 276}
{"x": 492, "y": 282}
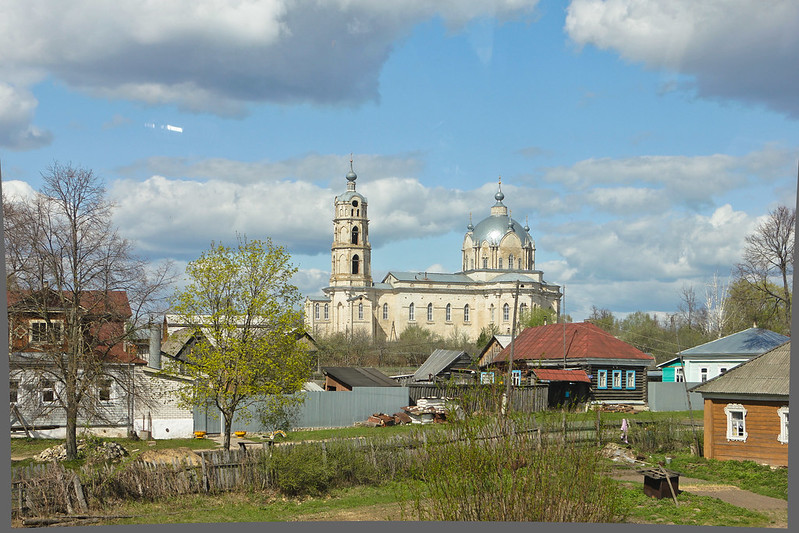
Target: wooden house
{"x": 746, "y": 410}
{"x": 495, "y": 345}
{"x": 443, "y": 365}
{"x": 346, "y": 378}
{"x": 616, "y": 370}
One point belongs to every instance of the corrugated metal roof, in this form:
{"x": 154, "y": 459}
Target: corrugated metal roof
{"x": 437, "y": 362}
{"x": 359, "y": 376}
{"x": 428, "y": 277}
{"x": 583, "y": 340}
{"x": 752, "y": 341}
{"x": 767, "y": 374}
{"x": 553, "y": 374}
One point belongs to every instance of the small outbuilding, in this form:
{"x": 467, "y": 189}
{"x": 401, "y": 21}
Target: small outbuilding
{"x": 746, "y": 410}
{"x": 346, "y": 378}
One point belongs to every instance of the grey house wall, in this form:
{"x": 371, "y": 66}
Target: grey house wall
{"x": 665, "y": 396}
{"x": 330, "y": 409}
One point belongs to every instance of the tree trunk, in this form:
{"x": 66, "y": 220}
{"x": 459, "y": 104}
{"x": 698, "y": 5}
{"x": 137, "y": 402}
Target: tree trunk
{"x": 228, "y": 426}
{"x": 72, "y": 432}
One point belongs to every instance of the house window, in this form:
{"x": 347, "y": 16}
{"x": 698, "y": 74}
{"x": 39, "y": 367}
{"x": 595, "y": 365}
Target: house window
{"x": 316, "y": 311}
{"x": 516, "y": 377}
{"x": 429, "y": 312}
{"x": 385, "y": 311}
{"x": 448, "y": 313}
{"x": 506, "y": 312}
{"x": 104, "y": 390}
{"x": 360, "y": 311}
{"x": 13, "y": 388}
{"x": 411, "y": 316}
{"x": 629, "y": 377}
{"x": 722, "y": 370}
{"x": 327, "y": 311}
{"x": 41, "y": 331}
{"x": 48, "y": 391}
{"x": 602, "y": 379}
{"x": 466, "y": 313}
{"x": 783, "y": 436}
{"x": 703, "y": 374}
{"x": 617, "y": 379}
{"x": 736, "y": 422}
{"x": 486, "y": 378}
{"x": 679, "y": 375}
{"x": 355, "y": 264}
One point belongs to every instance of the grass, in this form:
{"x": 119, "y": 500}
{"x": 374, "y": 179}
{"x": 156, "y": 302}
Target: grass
{"x": 748, "y": 475}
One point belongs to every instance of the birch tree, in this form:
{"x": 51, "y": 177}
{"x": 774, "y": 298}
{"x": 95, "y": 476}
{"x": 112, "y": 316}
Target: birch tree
{"x": 243, "y": 307}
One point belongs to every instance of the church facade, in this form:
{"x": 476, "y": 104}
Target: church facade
{"x": 498, "y": 258}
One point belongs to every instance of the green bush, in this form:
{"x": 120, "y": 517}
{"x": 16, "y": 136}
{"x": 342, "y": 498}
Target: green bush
{"x": 300, "y": 470}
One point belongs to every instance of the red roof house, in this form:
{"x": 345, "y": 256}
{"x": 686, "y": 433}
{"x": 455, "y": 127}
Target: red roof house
{"x": 616, "y": 370}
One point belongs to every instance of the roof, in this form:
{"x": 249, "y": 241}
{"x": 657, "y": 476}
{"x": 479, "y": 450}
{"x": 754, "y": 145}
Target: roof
{"x": 752, "y": 341}
{"x": 359, "y": 376}
{"x": 99, "y": 302}
{"x": 583, "y": 340}
{"x": 434, "y": 277}
{"x": 553, "y": 374}
{"x": 493, "y": 229}
{"x": 439, "y": 361}
{"x": 766, "y": 375}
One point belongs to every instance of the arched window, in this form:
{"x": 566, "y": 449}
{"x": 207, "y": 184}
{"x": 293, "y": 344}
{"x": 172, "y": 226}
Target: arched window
{"x": 522, "y": 309}
{"x": 500, "y": 263}
{"x": 506, "y": 312}
{"x": 429, "y": 312}
{"x": 466, "y": 313}
{"x": 354, "y": 239}
{"x": 327, "y": 311}
{"x": 316, "y": 311}
{"x": 385, "y": 311}
{"x": 485, "y": 262}
{"x": 449, "y": 313}
{"x": 355, "y": 263}
{"x": 491, "y": 311}
{"x": 411, "y": 316}
{"x": 360, "y": 311}
{"x": 510, "y": 261}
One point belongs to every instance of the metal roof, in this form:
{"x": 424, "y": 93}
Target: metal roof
{"x": 359, "y": 376}
{"x": 553, "y": 374}
{"x": 752, "y": 341}
{"x": 439, "y": 361}
{"x": 429, "y": 277}
{"x": 767, "y": 374}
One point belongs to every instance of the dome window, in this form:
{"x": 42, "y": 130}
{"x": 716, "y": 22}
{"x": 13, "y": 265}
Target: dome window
{"x": 355, "y": 203}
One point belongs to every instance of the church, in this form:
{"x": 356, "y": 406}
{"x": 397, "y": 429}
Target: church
{"x": 498, "y": 255}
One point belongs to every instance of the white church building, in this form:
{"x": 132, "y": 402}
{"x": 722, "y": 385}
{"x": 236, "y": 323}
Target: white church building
{"x": 497, "y": 254}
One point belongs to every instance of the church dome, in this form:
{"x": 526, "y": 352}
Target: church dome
{"x": 494, "y": 228}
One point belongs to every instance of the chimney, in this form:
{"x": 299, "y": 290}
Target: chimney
{"x": 155, "y": 346}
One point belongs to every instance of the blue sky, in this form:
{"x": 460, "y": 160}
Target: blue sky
{"x": 641, "y": 140}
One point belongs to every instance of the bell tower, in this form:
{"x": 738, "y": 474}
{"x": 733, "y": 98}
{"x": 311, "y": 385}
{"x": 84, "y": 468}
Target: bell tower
{"x": 351, "y": 252}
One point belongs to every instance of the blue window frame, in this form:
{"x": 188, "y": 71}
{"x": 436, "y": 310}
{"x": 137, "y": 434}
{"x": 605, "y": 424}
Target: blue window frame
{"x": 486, "y": 377}
{"x": 602, "y": 379}
{"x": 516, "y": 377}
{"x": 629, "y": 378}
{"x": 617, "y": 379}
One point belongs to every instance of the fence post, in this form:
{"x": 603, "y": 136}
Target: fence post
{"x": 598, "y": 429}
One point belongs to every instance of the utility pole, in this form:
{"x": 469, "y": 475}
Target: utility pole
{"x": 512, "y": 345}
{"x": 563, "y": 319}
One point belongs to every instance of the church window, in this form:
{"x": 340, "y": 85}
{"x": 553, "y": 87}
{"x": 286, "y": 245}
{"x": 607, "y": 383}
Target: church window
{"x": 316, "y": 311}
{"x": 500, "y": 263}
{"x": 385, "y": 311}
{"x": 510, "y": 261}
{"x": 360, "y": 311}
{"x": 485, "y": 262}
{"x": 448, "y": 314}
{"x": 429, "y": 312}
{"x": 355, "y": 264}
{"x": 466, "y": 313}
{"x": 355, "y": 203}
{"x": 522, "y": 309}
{"x": 327, "y": 311}
{"x": 506, "y": 312}
{"x": 411, "y": 316}
{"x": 491, "y": 311}
{"x": 354, "y": 235}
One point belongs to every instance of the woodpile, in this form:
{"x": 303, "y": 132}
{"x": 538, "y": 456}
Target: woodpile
{"x": 105, "y": 451}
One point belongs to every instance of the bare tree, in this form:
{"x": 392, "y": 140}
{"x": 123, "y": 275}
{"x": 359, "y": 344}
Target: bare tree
{"x": 716, "y": 306}
{"x": 767, "y": 262}
{"x": 73, "y": 274}
{"x": 689, "y": 307}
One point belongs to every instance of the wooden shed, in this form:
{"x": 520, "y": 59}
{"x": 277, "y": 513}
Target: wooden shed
{"x": 746, "y": 410}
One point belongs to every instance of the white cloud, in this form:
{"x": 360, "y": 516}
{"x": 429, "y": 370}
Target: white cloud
{"x": 214, "y": 55}
{"x": 18, "y": 190}
{"x": 742, "y": 50}
{"x": 17, "y": 106}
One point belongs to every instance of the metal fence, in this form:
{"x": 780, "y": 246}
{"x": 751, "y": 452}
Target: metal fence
{"x": 664, "y": 396}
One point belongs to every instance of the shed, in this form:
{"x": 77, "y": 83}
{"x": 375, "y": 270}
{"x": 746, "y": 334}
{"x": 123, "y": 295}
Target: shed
{"x": 746, "y": 410}
{"x": 346, "y": 378}
{"x": 566, "y": 387}
{"x": 495, "y": 345}
{"x": 442, "y": 364}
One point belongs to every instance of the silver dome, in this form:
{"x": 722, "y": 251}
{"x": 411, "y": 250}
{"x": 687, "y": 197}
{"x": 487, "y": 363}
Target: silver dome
{"x": 494, "y": 228}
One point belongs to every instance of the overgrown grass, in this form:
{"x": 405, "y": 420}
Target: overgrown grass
{"x": 748, "y": 475}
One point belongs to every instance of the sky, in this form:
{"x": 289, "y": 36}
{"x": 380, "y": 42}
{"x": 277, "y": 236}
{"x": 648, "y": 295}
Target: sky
{"x": 641, "y": 140}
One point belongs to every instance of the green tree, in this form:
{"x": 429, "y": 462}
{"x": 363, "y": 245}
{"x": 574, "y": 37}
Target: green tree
{"x": 537, "y": 316}
{"x": 749, "y": 306}
{"x": 604, "y": 319}
{"x": 242, "y": 304}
